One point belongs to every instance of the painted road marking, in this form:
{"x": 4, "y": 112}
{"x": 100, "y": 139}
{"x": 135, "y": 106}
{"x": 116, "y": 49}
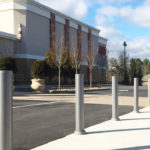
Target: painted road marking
{"x": 39, "y": 104}
{"x": 123, "y": 90}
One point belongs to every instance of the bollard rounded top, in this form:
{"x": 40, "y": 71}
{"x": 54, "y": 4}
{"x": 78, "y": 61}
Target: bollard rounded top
{"x": 79, "y": 75}
{"x": 5, "y": 70}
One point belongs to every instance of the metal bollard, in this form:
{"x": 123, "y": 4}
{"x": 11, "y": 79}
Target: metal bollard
{"x": 136, "y": 95}
{"x": 149, "y": 93}
{"x": 115, "y": 98}
{"x": 5, "y": 110}
{"x": 79, "y": 95}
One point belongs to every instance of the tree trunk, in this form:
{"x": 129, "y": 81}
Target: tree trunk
{"x": 90, "y": 78}
{"x": 102, "y": 75}
{"x": 76, "y": 71}
{"x": 59, "y": 77}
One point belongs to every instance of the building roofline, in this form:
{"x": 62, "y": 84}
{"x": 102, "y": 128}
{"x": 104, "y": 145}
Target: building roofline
{"x": 103, "y": 38}
{"x": 8, "y": 36}
{"x": 46, "y": 8}
{"x": 102, "y": 41}
{"x": 62, "y": 15}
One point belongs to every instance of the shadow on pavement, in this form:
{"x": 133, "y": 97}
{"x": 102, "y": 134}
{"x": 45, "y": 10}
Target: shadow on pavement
{"x": 120, "y": 130}
{"x": 21, "y": 148}
{"x": 135, "y": 148}
{"x": 135, "y": 119}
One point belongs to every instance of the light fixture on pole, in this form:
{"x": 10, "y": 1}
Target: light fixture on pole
{"x": 124, "y": 44}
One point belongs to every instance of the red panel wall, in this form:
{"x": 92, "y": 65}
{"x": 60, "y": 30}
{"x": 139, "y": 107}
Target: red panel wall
{"x": 67, "y": 33}
{"x": 101, "y": 50}
{"x": 52, "y": 31}
{"x": 79, "y": 34}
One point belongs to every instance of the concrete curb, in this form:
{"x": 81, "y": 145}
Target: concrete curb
{"x": 73, "y": 90}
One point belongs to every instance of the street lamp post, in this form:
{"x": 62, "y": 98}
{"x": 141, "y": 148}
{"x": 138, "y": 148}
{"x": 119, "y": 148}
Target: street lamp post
{"x": 125, "y": 73}
{"x": 124, "y": 44}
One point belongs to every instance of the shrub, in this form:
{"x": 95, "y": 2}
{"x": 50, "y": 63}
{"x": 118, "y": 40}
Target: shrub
{"x": 69, "y": 72}
{"x": 8, "y": 63}
{"x": 51, "y": 61}
{"x": 62, "y": 64}
{"x": 39, "y": 69}
{"x": 68, "y": 69}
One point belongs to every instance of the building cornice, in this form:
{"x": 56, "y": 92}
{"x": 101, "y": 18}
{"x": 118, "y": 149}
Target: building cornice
{"x": 8, "y": 36}
{"x": 43, "y": 10}
{"x": 28, "y": 56}
{"x": 102, "y": 40}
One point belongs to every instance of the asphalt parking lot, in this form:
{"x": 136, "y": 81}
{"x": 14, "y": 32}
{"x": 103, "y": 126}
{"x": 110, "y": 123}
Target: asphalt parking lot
{"x": 122, "y": 91}
{"x": 36, "y": 122}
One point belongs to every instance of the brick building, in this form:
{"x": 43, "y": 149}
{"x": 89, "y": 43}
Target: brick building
{"x": 31, "y": 29}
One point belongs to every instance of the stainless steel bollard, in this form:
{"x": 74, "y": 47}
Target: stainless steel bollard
{"x": 149, "y": 93}
{"x": 136, "y": 95}
{"x": 115, "y": 98}
{"x": 5, "y": 110}
{"x": 79, "y": 110}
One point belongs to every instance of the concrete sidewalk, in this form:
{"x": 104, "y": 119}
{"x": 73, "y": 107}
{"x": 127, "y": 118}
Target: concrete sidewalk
{"x": 131, "y": 133}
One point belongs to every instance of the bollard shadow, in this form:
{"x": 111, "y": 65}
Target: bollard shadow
{"x": 21, "y": 148}
{"x": 135, "y": 119}
{"x": 120, "y": 130}
{"x": 146, "y": 112}
{"x": 135, "y": 148}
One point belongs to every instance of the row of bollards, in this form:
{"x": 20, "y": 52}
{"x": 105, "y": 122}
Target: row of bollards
{"x": 79, "y": 128}
{"x": 115, "y": 97}
{"x": 6, "y": 105}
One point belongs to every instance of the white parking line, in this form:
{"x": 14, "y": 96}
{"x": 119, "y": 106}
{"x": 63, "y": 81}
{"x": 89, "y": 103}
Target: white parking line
{"x": 39, "y": 104}
{"x": 123, "y": 90}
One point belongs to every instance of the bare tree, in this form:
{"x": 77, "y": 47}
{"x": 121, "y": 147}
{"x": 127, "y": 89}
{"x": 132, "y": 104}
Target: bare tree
{"x": 91, "y": 62}
{"x": 75, "y": 58}
{"x": 57, "y": 58}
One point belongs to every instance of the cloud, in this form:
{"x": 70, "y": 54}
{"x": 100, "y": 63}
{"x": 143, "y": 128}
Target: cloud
{"x": 105, "y": 20}
{"x": 136, "y": 48}
{"x": 137, "y": 16}
{"x": 73, "y": 8}
{"x": 116, "y": 2}
{"x": 139, "y": 47}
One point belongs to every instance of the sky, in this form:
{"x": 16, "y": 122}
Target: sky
{"x": 118, "y": 21}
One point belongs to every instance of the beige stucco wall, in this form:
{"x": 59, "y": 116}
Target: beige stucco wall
{"x": 60, "y": 35}
{"x": 6, "y": 47}
{"x": 84, "y": 45}
{"x": 36, "y": 39}
{"x": 94, "y": 45}
{"x": 7, "y": 21}
{"x": 37, "y": 33}
{"x": 73, "y": 39}
{"x": 20, "y": 18}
